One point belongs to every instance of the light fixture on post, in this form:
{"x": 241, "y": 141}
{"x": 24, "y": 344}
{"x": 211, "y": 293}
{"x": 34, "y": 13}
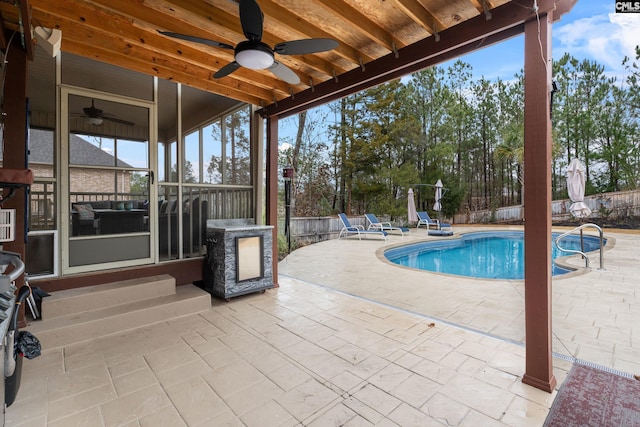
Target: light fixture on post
{"x": 49, "y": 39}
{"x": 254, "y": 55}
{"x": 287, "y": 174}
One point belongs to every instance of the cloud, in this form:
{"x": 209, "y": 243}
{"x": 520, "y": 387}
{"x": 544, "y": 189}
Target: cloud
{"x": 629, "y": 35}
{"x": 284, "y": 146}
{"x": 604, "y": 38}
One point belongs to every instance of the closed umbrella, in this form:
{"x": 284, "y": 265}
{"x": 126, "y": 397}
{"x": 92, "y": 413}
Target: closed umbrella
{"x": 575, "y": 186}
{"x": 411, "y": 207}
{"x": 438, "y": 206}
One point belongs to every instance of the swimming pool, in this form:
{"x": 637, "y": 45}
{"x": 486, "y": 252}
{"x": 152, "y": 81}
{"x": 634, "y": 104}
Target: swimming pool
{"x": 489, "y": 255}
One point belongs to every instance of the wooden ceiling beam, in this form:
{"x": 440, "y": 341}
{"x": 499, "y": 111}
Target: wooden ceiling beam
{"x": 161, "y": 71}
{"x": 129, "y": 28}
{"x": 483, "y": 6}
{"x": 213, "y": 58}
{"x": 507, "y": 21}
{"x": 14, "y": 16}
{"x": 286, "y": 19}
{"x": 88, "y": 40}
{"x": 198, "y": 19}
{"x": 421, "y": 16}
{"x": 104, "y": 32}
{"x": 111, "y": 26}
{"x": 25, "y": 28}
{"x": 341, "y": 10}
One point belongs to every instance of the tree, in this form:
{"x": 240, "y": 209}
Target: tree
{"x": 439, "y": 124}
{"x": 428, "y": 100}
{"x": 139, "y": 183}
{"x": 308, "y": 155}
{"x": 188, "y": 174}
{"x": 459, "y": 110}
{"x": 485, "y": 132}
{"x": 510, "y": 150}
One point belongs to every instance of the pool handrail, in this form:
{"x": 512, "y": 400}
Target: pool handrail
{"x": 575, "y": 251}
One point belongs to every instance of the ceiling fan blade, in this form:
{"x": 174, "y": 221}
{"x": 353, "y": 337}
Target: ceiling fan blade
{"x": 284, "y": 73}
{"x": 116, "y": 120}
{"x": 195, "y": 39}
{"x": 226, "y": 70}
{"x": 251, "y": 19}
{"x": 303, "y": 47}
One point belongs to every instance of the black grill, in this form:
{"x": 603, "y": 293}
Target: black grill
{"x": 11, "y": 364}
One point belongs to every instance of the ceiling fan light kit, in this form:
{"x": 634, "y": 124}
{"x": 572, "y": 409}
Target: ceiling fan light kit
{"x": 256, "y": 56}
{"x": 94, "y": 120}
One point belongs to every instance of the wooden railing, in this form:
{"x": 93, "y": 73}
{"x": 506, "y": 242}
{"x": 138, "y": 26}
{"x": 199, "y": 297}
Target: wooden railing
{"x": 223, "y": 203}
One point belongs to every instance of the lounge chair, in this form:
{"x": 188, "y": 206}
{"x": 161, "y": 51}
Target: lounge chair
{"x": 441, "y": 228}
{"x": 375, "y": 224}
{"x": 348, "y": 229}
{"x": 425, "y": 219}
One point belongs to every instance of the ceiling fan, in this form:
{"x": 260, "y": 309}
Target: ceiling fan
{"x": 255, "y": 54}
{"x": 96, "y": 116}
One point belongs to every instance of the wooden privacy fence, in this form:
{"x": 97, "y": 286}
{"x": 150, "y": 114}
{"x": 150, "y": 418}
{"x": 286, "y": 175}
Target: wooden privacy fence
{"x": 317, "y": 229}
{"x": 607, "y": 205}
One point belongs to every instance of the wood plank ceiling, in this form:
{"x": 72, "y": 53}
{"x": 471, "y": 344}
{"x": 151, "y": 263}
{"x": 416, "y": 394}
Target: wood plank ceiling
{"x": 125, "y": 33}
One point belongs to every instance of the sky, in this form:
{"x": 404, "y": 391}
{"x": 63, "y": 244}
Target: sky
{"x": 591, "y": 30}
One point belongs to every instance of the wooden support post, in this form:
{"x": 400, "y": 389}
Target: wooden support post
{"x": 537, "y": 204}
{"x": 15, "y": 145}
{"x": 272, "y": 188}
{"x": 15, "y": 137}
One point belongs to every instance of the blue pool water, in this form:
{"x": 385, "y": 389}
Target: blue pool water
{"x": 489, "y": 255}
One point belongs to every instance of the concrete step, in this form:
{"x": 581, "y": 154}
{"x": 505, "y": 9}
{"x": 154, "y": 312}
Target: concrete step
{"x": 71, "y": 301}
{"x": 87, "y": 325}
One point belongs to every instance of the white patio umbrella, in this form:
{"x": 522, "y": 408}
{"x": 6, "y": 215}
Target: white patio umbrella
{"x": 438, "y": 206}
{"x": 575, "y": 186}
{"x": 411, "y": 207}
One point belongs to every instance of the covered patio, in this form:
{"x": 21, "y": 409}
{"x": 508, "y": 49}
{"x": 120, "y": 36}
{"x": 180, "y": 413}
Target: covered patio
{"x": 299, "y": 355}
{"x": 377, "y": 43}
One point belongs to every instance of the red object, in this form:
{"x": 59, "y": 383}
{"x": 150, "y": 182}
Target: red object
{"x": 15, "y": 177}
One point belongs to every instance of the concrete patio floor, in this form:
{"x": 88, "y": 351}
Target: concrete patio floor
{"x": 299, "y": 355}
{"x": 434, "y": 351}
{"x": 596, "y": 313}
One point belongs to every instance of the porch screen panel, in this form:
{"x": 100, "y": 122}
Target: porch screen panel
{"x": 212, "y": 153}
{"x": 237, "y": 148}
{"x": 109, "y": 182}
